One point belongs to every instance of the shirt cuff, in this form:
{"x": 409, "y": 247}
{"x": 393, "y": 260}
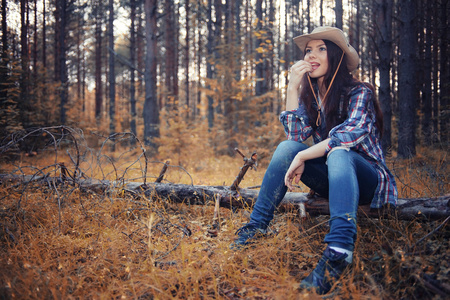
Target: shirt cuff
{"x": 334, "y": 142}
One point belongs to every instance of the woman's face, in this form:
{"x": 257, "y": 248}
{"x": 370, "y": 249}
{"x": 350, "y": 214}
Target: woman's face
{"x": 316, "y": 55}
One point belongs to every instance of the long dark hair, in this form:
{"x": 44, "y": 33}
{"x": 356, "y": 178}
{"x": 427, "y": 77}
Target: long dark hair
{"x": 342, "y": 84}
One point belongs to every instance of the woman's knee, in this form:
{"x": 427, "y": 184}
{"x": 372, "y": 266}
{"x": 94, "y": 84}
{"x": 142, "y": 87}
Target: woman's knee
{"x": 341, "y": 157}
{"x": 287, "y": 150}
{"x": 289, "y": 146}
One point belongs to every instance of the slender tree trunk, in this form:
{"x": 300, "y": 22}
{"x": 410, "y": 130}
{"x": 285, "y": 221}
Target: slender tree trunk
{"x": 98, "y": 60}
{"x": 200, "y": 53}
{"x": 259, "y": 68}
{"x": 308, "y": 15}
{"x": 218, "y": 34}
{"x": 427, "y": 69}
{"x": 171, "y": 44}
{"x": 435, "y": 72}
{"x": 63, "y": 67}
{"x": 187, "y": 55}
{"x": 140, "y": 47}
{"x": 151, "y": 110}
{"x": 339, "y": 14}
{"x": 35, "y": 46}
{"x": 357, "y": 41}
{"x": 321, "y": 13}
{"x": 44, "y": 38}
{"x": 4, "y": 57}
{"x": 445, "y": 73}
{"x": 57, "y": 35}
{"x": 132, "y": 71}
{"x": 407, "y": 84}
{"x": 24, "y": 78}
{"x": 78, "y": 34}
{"x": 383, "y": 10}
{"x": 209, "y": 67}
{"x": 112, "y": 73}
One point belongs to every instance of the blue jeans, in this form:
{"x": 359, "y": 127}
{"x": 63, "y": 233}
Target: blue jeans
{"x": 345, "y": 178}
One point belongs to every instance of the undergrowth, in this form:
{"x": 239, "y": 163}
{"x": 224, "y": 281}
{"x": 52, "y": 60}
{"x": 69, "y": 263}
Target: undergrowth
{"x": 66, "y": 242}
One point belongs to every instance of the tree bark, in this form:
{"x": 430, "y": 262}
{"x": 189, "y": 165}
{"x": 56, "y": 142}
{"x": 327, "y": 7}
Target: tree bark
{"x": 151, "y": 110}
{"x": 98, "y": 60}
{"x": 186, "y": 59}
{"x": 112, "y": 73}
{"x": 4, "y": 58}
{"x": 427, "y": 80}
{"x": 209, "y": 66}
{"x": 260, "y": 88}
{"x": 339, "y": 14}
{"x": 132, "y": 71}
{"x": 383, "y": 23}
{"x": 445, "y": 72}
{"x": 406, "y": 84}
{"x": 64, "y": 89}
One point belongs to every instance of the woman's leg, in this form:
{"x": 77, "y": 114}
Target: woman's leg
{"x": 352, "y": 180}
{"x": 273, "y": 188}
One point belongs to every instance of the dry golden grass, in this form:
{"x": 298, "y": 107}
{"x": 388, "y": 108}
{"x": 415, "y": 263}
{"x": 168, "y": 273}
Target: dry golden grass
{"x": 63, "y": 243}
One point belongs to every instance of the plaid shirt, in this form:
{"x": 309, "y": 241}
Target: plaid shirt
{"x": 357, "y": 132}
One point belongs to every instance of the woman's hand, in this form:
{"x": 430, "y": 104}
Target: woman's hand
{"x": 295, "y": 171}
{"x": 297, "y": 72}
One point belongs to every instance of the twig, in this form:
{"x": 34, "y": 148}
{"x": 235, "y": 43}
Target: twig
{"x": 428, "y": 235}
{"x": 248, "y": 163}
{"x": 163, "y": 172}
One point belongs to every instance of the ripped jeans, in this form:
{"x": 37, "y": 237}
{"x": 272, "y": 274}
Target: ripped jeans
{"x": 345, "y": 178}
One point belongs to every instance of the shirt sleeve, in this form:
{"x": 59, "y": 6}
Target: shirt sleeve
{"x": 296, "y": 124}
{"x": 359, "y": 123}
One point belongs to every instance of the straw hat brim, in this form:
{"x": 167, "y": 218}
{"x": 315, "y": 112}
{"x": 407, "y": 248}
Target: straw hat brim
{"x": 334, "y": 35}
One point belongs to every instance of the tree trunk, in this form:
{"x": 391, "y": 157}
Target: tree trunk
{"x": 427, "y": 69}
{"x": 187, "y": 55}
{"x": 407, "y": 84}
{"x": 112, "y": 73}
{"x": 44, "y": 40}
{"x": 151, "y": 110}
{"x": 209, "y": 66}
{"x": 132, "y": 71}
{"x": 383, "y": 13}
{"x": 321, "y": 13}
{"x": 4, "y": 58}
{"x": 259, "y": 68}
{"x": 339, "y": 14}
{"x": 171, "y": 44}
{"x": 98, "y": 60}
{"x": 64, "y": 93}
{"x": 445, "y": 73}
{"x": 24, "y": 78}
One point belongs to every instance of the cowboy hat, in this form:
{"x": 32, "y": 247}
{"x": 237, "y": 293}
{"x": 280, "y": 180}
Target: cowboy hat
{"x": 334, "y": 35}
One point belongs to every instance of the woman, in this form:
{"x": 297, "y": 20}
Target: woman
{"x": 345, "y": 164}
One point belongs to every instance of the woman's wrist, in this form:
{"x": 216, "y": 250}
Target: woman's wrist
{"x": 299, "y": 157}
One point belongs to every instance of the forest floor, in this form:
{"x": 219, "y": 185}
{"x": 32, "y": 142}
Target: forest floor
{"x": 60, "y": 242}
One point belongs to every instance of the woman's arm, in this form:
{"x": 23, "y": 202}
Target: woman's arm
{"x": 297, "y": 166}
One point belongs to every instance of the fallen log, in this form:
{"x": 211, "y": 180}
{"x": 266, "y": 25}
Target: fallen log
{"x": 421, "y": 208}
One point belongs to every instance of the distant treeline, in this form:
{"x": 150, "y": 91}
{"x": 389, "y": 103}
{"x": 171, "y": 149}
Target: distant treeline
{"x": 118, "y": 65}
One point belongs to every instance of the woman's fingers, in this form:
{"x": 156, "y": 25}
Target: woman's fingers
{"x": 294, "y": 173}
{"x": 301, "y": 67}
